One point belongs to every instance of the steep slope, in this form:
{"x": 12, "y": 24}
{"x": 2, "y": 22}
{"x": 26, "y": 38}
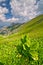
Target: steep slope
{"x": 33, "y": 27}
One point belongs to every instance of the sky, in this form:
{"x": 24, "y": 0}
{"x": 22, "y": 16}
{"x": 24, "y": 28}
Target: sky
{"x": 20, "y": 10}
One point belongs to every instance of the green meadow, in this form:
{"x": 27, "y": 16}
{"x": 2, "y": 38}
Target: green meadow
{"x": 25, "y": 47}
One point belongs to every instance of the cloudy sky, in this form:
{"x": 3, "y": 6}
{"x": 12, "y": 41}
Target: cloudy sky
{"x": 20, "y": 10}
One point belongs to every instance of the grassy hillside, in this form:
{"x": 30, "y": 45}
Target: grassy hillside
{"x": 33, "y": 27}
{"x": 24, "y": 47}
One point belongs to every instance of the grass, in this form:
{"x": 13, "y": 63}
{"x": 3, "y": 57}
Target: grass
{"x": 23, "y": 51}
{"x": 34, "y": 27}
{"x": 24, "y": 47}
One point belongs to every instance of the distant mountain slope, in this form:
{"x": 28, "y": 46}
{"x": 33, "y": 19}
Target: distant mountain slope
{"x": 2, "y": 24}
{"x": 33, "y": 27}
{"x": 10, "y": 29}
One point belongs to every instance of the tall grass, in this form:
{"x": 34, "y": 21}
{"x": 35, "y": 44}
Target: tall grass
{"x": 23, "y": 51}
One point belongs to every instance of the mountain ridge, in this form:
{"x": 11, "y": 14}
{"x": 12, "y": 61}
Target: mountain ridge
{"x": 33, "y": 27}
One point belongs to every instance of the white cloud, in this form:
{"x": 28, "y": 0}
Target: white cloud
{"x": 2, "y": 12}
{"x": 12, "y": 19}
{"x": 24, "y": 8}
{"x": 2, "y": 16}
